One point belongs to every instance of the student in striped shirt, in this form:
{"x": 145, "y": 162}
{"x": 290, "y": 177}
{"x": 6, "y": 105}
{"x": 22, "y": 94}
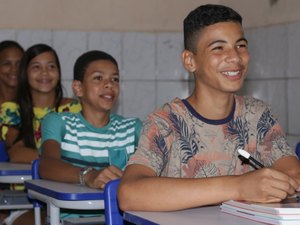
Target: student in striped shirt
{"x": 93, "y": 146}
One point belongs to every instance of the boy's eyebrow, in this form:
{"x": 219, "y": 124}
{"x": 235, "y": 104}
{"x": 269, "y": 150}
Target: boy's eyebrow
{"x": 216, "y": 41}
{"x": 223, "y": 41}
{"x": 102, "y": 72}
{"x": 243, "y": 39}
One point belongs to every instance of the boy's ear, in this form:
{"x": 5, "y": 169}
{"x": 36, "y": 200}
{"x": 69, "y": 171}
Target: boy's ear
{"x": 77, "y": 88}
{"x": 188, "y": 61}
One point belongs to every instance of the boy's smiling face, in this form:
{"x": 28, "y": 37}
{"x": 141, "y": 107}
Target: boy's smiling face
{"x": 221, "y": 61}
{"x": 100, "y": 87}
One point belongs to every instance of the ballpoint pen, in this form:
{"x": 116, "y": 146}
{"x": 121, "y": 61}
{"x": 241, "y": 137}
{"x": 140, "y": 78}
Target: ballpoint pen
{"x": 247, "y": 156}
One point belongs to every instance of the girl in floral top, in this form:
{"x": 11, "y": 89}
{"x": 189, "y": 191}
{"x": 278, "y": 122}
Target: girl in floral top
{"x": 40, "y": 92}
{"x": 10, "y": 56}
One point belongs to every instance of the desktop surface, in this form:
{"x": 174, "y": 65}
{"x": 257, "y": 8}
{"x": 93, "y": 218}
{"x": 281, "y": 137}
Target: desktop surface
{"x": 14, "y": 173}
{"x": 211, "y": 215}
{"x": 14, "y": 169}
{"x": 64, "y": 191}
{"x": 64, "y": 195}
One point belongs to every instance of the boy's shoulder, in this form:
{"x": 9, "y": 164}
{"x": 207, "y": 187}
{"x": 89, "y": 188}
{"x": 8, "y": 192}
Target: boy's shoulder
{"x": 248, "y": 105}
{"x": 250, "y": 101}
{"x": 116, "y": 118}
{"x": 176, "y": 105}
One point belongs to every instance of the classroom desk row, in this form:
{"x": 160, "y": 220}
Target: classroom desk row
{"x": 55, "y": 194}
{"x": 63, "y": 195}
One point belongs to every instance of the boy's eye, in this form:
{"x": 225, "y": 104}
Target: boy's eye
{"x": 217, "y": 48}
{"x": 116, "y": 79}
{"x": 242, "y": 46}
{"x": 98, "y": 78}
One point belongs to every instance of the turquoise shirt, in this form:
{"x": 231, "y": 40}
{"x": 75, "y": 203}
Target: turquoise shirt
{"x": 85, "y": 145}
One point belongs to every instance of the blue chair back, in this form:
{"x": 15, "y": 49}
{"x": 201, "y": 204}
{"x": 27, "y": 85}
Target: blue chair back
{"x": 35, "y": 169}
{"x": 113, "y": 215}
{"x": 3, "y": 153}
{"x": 297, "y": 150}
{"x": 36, "y": 204}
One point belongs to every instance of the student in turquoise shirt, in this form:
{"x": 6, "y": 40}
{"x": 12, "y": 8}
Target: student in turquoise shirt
{"x": 93, "y": 146}
{"x": 93, "y": 140}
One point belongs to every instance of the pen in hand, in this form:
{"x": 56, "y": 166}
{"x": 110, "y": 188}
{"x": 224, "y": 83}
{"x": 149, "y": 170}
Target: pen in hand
{"x": 247, "y": 156}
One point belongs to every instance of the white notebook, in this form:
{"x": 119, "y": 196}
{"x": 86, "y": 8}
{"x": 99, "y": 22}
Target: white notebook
{"x": 286, "y": 212}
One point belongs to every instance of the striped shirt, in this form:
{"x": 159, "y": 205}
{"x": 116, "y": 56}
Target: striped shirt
{"x": 85, "y": 145}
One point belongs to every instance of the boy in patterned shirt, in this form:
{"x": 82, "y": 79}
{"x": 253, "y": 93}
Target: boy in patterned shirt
{"x": 198, "y": 138}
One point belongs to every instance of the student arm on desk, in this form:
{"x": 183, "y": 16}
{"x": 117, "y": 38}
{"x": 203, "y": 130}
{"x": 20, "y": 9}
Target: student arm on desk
{"x": 289, "y": 165}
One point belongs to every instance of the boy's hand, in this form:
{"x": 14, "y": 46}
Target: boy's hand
{"x": 266, "y": 185}
{"x": 98, "y": 178}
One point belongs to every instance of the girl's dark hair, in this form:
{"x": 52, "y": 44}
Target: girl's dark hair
{"x": 85, "y": 59}
{"x": 24, "y": 97}
{"x": 10, "y": 44}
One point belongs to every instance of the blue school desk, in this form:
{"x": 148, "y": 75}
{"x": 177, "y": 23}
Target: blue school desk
{"x": 64, "y": 195}
{"x": 14, "y": 173}
{"x": 211, "y": 215}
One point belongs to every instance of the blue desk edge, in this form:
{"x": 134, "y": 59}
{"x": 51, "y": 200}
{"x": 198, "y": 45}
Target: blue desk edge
{"x": 15, "y": 172}
{"x": 64, "y": 195}
{"x": 136, "y": 219}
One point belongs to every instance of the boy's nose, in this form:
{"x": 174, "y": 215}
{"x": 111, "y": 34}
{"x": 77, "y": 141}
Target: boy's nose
{"x": 108, "y": 83}
{"x": 233, "y": 57}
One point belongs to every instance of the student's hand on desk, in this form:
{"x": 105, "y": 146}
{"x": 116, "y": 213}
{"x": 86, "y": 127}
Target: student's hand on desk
{"x": 266, "y": 185}
{"x": 98, "y": 178}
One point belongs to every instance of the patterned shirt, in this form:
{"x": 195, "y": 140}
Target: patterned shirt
{"x": 10, "y": 116}
{"x": 176, "y": 141}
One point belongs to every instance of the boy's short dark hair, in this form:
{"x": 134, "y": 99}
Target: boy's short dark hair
{"x": 202, "y": 17}
{"x": 85, "y": 59}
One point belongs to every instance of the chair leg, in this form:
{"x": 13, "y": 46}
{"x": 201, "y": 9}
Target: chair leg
{"x": 37, "y": 215}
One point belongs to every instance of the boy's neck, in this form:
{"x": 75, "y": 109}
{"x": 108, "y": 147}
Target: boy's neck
{"x": 96, "y": 119}
{"x": 211, "y": 106}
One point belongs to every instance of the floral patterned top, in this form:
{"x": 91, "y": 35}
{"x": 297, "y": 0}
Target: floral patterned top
{"x": 176, "y": 141}
{"x": 10, "y": 116}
